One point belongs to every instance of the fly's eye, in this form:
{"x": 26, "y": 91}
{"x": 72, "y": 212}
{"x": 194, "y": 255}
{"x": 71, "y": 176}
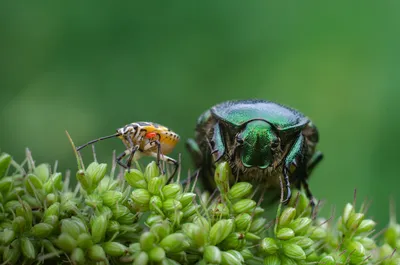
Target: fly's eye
{"x": 275, "y": 144}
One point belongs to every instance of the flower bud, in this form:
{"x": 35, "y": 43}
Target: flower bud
{"x": 151, "y": 171}
{"x": 42, "y": 171}
{"x": 287, "y": 261}
{"x": 19, "y": 224}
{"x": 78, "y": 256}
{"x": 51, "y": 198}
{"x": 212, "y": 255}
{"x": 155, "y": 185}
{"x": 54, "y": 209}
{"x": 302, "y": 241}
{"x": 347, "y": 212}
{"x": 221, "y": 177}
{"x": 357, "y": 251}
{"x": 244, "y": 205}
{"x": 27, "y": 248}
{"x": 12, "y": 253}
{"x": 327, "y": 260}
{"x": 195, "y": 233}
{"x": 111, "y": 197}
{"x": 96, "y": 172}
{"x": 368, "y": 243}
{"x": 392, "y": 233}
{"x": 5, "y": 161}
{"x": 114, "y": 249}
{"x": 285, "y": 233}
{"x": 147, "y": 240}
{"x": 99, "y": 227}
{"x": 171, "y": 190}
{"x": 55, "y": 183}
{"x": 155, "y": 203}
{"x": 84, "y": 180}
{"x": 190, "y": 210}
{"x": 237, "y": 255}
{"x": 171, "y": 205}
{"x": 135, "y": 179}
{"x": 141, "y": 197}
{"x": 174, "y": 243}
{"x": 96, "y": 253}
{"x": 242, "y": 221}
{"x": 272, "y": 260}
{"x": 141, "y": 259}
{"x": 287, "y": 216}
{"x": 258, "y": 225}
{"x": 153, "y": 219}
{"x": 220, "y": 230}
{"x": 160, "y": 230}
{"x": 234, "y": 241}
{"x": 32, "y": 184}
{"x": 51, "y": 220}
{"x": 220, "y": 210}
{"x": 187, "y": 198}
{"x": 229, "y": 259}
{"x": 157, "y": 254}
{"x": 7, "y": 236}
{"x": 246, "y": 254}
{"x": 269, "y": 246}
{"x": 84, "y": 241}
{"x": 318, "y": 233}
{"x": 240, "y": 190}
{"x": 354, "y": 221}
{"x": 300, "y": 225}
{"x": 66, "y": 242}
{"x": 252, "y": 237}
{"x": 366, "y": 226}
{"x": 41, "y": 230}
{"x": 70, "y": 227}
{"x": 293, "y": 251}
{"x": 175, "y": 217}
{"x": 5, "y": 184}
{"x": 25, "y": 211}
{"x": 203, "y": 223}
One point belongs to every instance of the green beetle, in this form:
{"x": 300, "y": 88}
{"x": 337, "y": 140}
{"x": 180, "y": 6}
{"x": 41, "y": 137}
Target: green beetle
{"x": 261, "y": 140}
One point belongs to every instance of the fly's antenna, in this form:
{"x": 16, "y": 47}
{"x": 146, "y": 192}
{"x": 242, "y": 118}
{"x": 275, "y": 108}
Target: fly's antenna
{"x": 96, "y": 140}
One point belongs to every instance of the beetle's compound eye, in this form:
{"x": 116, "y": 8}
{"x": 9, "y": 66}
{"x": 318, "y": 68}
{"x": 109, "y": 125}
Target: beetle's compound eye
{"x": 275, "y": 144}
{"x": 239, "y": 140}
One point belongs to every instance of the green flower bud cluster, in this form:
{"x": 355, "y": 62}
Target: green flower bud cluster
{"x": 294, "y": 241}
{"x": 137, "y": 218}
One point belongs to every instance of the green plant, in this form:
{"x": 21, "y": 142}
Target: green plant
{"x": 136, "y": 218}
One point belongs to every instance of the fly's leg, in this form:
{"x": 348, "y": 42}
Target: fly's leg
{"x": 169, "y": 160}
{"x": 119, "y": 158}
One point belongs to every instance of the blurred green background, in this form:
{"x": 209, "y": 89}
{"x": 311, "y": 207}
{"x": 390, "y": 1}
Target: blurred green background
{"x": 90, "y": 67}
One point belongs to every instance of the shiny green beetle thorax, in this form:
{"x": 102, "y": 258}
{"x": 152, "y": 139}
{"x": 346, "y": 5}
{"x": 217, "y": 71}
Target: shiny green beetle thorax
{"x": 258, "y": 144}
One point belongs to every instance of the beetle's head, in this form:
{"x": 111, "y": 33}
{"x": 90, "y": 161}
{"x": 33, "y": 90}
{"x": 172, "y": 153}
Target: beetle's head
{"x": 257, "y": 144}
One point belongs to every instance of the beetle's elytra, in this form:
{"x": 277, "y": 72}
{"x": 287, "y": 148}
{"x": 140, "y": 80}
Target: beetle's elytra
{"x": 144, "y": 139}
{"x": 261, "y": 140}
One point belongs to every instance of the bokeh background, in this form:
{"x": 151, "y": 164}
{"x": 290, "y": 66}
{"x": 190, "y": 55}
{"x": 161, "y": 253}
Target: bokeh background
{"x": 90, "y": 67}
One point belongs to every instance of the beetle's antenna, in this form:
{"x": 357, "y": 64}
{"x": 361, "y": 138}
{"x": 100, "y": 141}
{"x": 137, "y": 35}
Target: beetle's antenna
{"x": 96, "y": 140}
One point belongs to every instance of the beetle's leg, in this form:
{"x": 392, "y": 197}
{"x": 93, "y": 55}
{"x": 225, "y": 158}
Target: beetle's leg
{"x": 194, "y": 151}
{"x": 295, "y": 164}
{"x": 315, "y": 159}
{"x": 217, "y": 143}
